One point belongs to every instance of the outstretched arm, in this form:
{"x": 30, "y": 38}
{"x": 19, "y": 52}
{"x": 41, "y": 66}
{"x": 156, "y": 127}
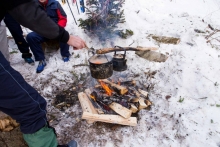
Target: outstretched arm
{"x": 31, "y": 16}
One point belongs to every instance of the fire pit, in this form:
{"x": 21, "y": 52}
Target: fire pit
{"x": 113, "y": 102}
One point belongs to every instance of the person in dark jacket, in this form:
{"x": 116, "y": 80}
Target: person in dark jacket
{"x": 17, "y": 98}
{"x": 57, "y": 14}
{"x": 15, "y": 29}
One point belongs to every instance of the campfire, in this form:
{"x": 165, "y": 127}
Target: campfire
{"x": 113, "y": 102}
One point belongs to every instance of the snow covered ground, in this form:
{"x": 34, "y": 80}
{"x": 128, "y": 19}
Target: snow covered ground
{"x": 191, "y": 73}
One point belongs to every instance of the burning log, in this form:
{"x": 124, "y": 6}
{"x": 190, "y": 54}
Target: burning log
{"x": 86, "y": 105}
{"x": 133, "y": 108}
{"x": 95, "y": 104}
{"x": 121, "y": 89}
{"x": 115, "y": 119}
{"x": 126, "y": 113}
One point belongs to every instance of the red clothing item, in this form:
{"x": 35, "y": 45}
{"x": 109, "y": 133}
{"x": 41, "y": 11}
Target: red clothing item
{"x": 62, "y": 20}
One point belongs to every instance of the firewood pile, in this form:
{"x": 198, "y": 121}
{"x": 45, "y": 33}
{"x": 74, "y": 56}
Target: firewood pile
{"x": 7, "y": 124}
{"x": 113, "y": 102}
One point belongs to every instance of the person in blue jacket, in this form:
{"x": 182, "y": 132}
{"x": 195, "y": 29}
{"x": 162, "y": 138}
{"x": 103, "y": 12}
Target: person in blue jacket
{"x": 17, "y": 98}
{"x": 57, "y": 14}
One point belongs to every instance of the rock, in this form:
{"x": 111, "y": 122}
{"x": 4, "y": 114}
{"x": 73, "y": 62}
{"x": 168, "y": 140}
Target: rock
{"x": 152, "y": 56}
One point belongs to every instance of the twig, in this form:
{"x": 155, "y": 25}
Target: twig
{"x": 131, "y": 43}
{"x": 203, "y": 98}
{"x": 212, "y": 34}
{"x": 208, "y": 79}
{"x": 211, "y": 27}
{"x": 80, "y": 65}
{"x": 211, "y": 13}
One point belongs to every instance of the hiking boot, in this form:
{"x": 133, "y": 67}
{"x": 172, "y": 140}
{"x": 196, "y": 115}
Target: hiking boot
{"x": 72, "y": 143}
{"x": 41, "y": 66}
{"x": 29, "y": 60}
{"x": 66, "y": 59}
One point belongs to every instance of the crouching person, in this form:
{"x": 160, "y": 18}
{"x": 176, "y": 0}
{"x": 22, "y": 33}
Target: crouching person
{"x": 24, "y": 104}
{"x": 57, "y": 14}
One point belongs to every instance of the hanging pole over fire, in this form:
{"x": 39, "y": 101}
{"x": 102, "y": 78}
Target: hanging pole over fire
{"x": 71, "y": 12}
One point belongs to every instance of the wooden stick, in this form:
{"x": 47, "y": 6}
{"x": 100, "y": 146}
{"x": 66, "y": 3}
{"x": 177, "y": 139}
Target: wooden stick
{"x": 107, "y": 50}
{"x": 86, "y": 105}
{"x": 122, "y": 89}
{"x": 115, "y": 119}
{"x": 126, "y": 113}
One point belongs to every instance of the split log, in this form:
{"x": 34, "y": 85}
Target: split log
{"x": 135, "y": 100}
{"x": 152, "y": 56}
{"x": 95, "y": 104}
{"x": 133, "y": 108}
{"x": 86, "y": 105}
{"x": 121, "y": 89}
{"x": 142, "y": 104}
{"x": 126, "y": 113}
{"x": 148, "y": 103}
{"x": 144, "y": 93}
{"x": 166, "y": 40}
{"x": 115, "y": 119}
{"x": 108, "y": 50}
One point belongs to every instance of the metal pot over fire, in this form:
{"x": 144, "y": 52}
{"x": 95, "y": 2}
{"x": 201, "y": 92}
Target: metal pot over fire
{"x": 101, "y": 66}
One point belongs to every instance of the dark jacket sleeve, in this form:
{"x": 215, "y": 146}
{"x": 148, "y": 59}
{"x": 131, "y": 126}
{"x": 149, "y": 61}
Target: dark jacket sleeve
{"x": 31, "y": 16}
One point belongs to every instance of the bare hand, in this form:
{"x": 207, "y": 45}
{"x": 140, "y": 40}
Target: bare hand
{"x": 76, "y": 42}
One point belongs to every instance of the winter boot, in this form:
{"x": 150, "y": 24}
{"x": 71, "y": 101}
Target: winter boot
{"x": 41, "y": 66}
{"x": 27, "y": 58}
{"x": 66, "y": 59}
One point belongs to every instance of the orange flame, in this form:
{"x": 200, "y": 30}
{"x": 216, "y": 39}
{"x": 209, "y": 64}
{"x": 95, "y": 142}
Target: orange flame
{"x": 107, "y": 89}
{"x": 92, "y": 97}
